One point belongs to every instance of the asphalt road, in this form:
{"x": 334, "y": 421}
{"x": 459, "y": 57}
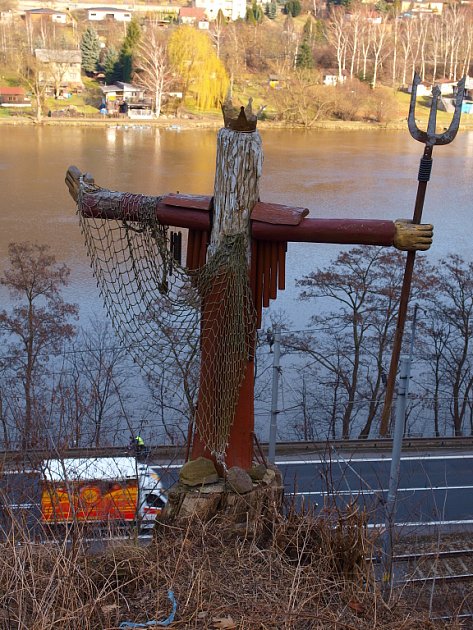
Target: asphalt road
{"x": 435, "y": 489}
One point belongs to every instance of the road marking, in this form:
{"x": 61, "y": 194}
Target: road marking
{"x": 422, "y": 523}
{"x": 379, "y": 491}
{"x": 355, "y": 460}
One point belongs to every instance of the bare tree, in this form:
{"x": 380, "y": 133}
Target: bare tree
{"x": 99, "y": 370}
{"x": 153, "y": 70}
{"x": 338, "y": 36}
{"x": 379, "y": 35}
{"x": 303, "y": 100}
{"x": 353, "y": 340}
{"x": 453, "y": 309}
{"x": 31, "y": 70}
{"x": 217, "y": 31}
{"x": 36, "y": 329}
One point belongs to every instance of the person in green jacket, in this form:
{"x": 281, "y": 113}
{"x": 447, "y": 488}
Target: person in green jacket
{"x": 138, "y": 443}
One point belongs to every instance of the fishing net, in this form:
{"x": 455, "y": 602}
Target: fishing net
{"x": 166, "y": 314}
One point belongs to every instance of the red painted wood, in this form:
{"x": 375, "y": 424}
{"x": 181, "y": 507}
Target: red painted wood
{"x": 342, "y": 231}
{"x": 282, "y": 247}
{"x": 190, "y": 249}
{"x": 266, "y": 272}
{"x": 259, "y": 283}
{"x": 278, "y": 214}
{"x": 196, "y": 202}
{"x": 273, "y": 287}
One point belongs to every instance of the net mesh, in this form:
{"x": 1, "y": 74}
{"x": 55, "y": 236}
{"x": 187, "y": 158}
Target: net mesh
{"x": 158, "y": 306}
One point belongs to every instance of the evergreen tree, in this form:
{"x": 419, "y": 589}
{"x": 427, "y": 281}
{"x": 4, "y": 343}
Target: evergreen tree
{"x": 293, "y": 7}
{"x": 110, "y": 65}
{"x": 305, "y": 58}
{"x": 128, "y": 49}
{"x": 90, "y": 48}
{"x": 254, "y": 14}
{"x": 272, "y": 10}
{"x": 308, "y": 30}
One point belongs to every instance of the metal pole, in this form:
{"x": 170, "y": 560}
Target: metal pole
{"x": 390, "y": 508}
{"x": 273, "y": 425}
{"x": 399, "y": 425}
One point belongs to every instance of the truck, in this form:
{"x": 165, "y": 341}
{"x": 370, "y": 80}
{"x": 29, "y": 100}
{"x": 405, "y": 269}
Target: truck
{"x": 100, "y": 490}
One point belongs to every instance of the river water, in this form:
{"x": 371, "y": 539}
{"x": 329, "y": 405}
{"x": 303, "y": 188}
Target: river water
{"x": 369, "y": 174}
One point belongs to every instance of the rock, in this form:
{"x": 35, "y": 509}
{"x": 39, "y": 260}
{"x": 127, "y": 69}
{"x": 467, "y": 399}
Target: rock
{"x": 269, "y": 476}
{"x": 198, "y": 472}
{"x": 278, "y": 477}
{"x": 257, "y": 472}
{"x": 197, "y": 505}
{"x": 239, "y": 480}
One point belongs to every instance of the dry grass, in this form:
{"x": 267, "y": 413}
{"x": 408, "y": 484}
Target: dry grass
{"x": 297, "y": 572}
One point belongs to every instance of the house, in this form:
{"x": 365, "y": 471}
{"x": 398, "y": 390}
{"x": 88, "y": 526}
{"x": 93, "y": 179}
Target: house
{"x": 14, "y": 97}
{"x": 371, "y": 17}
{"x": 423, "y": 89}
{"x": 332, "y": 77}
{"x": 193, "y": 15}
{"x": 418, "y": 8}
{"x": 447, "y": 87}
{"x": 138, "y": 105}
{"x": 7, "y": 16}
{"x": 46, "y": 15}
{"x": 231, "y": 9}
{"x": 99, "y": 14}
{"x": 60, "y": 68}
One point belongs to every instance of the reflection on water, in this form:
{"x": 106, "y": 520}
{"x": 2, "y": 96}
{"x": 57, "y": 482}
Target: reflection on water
{"x": 356, "y": 174}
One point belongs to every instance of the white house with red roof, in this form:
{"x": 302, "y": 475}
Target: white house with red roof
{"x": 193, "y": 15}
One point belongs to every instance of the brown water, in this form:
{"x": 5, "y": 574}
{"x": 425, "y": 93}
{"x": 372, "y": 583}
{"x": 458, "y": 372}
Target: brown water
{"x": 357, "y": 174}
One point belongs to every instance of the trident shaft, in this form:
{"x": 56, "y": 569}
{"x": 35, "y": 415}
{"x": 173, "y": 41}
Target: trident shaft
{"x": 429, "y": 138}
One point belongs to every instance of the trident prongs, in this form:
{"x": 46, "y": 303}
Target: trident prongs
{"x": 429, "y": 137}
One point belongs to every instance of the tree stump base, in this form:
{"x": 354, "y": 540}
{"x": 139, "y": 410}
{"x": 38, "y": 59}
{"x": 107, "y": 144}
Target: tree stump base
{"x": 244, "y": 499}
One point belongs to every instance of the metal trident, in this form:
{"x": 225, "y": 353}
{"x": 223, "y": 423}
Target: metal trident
{"x": 429, "y": 138}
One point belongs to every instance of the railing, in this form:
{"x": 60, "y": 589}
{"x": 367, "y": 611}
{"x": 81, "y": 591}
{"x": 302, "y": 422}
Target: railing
{"x": 282, "y": 448}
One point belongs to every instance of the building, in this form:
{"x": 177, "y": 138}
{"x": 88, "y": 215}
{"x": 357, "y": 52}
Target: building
{"x": 418, "y": 8}
{"x": 332, "y": 77}
{"x": 47, "y": 15}
{"x": 231, "y": 9}
{"x": 99, "y": 14}
{"x": 447, "y": 87}
{"x": 137, "y": 105}
{"x": 60, "y": 69}
{"x": 195, "y": 16}
{"x": 14, "y": 97}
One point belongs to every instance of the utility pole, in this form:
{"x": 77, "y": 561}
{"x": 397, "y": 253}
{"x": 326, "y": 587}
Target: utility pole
{"x": 399, "y": 425}
{"x": 273, "y": 424}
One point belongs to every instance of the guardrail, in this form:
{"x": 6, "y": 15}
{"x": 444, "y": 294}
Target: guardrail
{"x": 172, "y": 453}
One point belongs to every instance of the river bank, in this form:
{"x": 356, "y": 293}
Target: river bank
{"x": 179, "y": 124}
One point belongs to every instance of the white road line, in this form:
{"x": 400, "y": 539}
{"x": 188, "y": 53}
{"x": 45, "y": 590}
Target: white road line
{"x": 355, "y": 460}
{"x": 422, "y": 523}
{"x": 380, "y": 490}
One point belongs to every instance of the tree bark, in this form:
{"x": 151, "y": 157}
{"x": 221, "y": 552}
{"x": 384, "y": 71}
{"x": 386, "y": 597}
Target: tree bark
{"x": 236, "y": 191}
